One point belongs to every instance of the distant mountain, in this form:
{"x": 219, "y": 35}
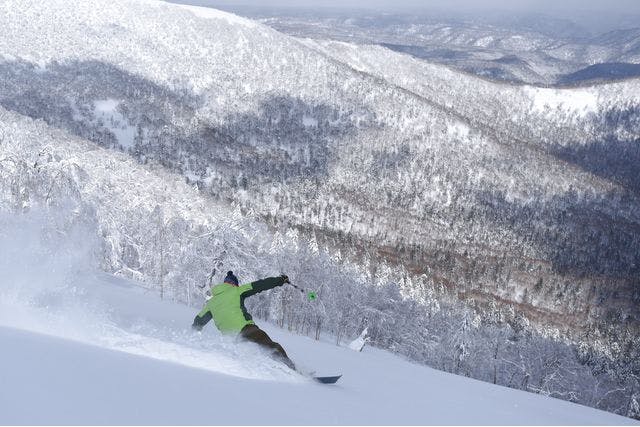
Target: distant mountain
{"x": 602, "y": 72}
{"x": 445, "y": 211}
{"x": 529, "y": 48}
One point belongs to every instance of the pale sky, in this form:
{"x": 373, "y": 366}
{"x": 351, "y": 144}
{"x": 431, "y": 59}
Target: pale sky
{"x": 544, "y": 6}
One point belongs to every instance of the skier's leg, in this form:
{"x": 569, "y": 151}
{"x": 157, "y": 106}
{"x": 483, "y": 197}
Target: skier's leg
{"x": 255, "y": 334}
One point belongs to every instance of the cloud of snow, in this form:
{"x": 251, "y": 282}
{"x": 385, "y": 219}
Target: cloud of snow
{"x": 44, "y": 255}
{"x": 50, "y": 283}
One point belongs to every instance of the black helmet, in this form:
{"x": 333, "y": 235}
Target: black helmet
{"x": 231, "y": 278}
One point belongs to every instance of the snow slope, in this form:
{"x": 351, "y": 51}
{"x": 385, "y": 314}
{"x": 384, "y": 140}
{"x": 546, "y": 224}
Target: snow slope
{"x": 81, "y": 347}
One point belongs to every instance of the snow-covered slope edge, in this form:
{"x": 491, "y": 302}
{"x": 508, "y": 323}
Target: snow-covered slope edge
{"x": 81, "y": 347}
{"x": 81, "y": 384}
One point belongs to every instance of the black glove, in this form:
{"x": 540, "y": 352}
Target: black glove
{"x": 284, "y": 278}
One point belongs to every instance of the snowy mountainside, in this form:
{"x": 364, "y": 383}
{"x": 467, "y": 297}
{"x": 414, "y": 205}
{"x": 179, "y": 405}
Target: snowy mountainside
{"x": 530, "y": 48}
{"x": 434, "y": 197}
{"x": 562, "y": 132}
{"x": 147, "y": 223}
{"x": 562, "y": 122}
{"x": 84, "y": 347}
{"x": 443, "y": 85}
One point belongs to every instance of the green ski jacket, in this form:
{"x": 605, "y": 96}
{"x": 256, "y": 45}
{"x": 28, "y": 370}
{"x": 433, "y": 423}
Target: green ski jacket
{"x": 226, "y": 305}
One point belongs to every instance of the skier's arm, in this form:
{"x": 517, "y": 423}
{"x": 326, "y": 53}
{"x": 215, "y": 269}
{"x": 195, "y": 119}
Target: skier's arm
{"x": 264, "y": 284}
{"x": 202, "y": 318}
{"x": 268, "y": 283}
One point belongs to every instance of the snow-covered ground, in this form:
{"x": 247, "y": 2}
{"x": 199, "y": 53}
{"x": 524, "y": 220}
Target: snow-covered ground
{"x": 84, "y": 347}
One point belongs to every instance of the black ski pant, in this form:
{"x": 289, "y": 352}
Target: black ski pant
{"x": 254, "y": 334}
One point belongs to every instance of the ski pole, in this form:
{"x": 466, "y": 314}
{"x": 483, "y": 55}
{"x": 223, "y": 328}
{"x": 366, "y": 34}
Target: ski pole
{"x": 310, "y": 295}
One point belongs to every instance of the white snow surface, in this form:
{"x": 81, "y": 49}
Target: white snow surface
{"x": 107, "y": 111}
{"x": 459, "y": 130}
{"x": 578, "y": 101}
{"x": 84, "y": 347}
{"x": 209, "y": 13}
{"x": 309, "y": 121}
{"x": 359, "y": 343}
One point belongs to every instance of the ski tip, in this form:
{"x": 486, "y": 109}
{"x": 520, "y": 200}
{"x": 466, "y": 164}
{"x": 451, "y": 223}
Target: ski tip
{"x": 328, "y": 380}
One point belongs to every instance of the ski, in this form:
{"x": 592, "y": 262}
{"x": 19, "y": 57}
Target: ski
{"x": 328, "y": 380}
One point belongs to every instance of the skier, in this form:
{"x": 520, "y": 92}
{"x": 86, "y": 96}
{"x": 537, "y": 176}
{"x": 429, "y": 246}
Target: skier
{"x": 226, "y": 308}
